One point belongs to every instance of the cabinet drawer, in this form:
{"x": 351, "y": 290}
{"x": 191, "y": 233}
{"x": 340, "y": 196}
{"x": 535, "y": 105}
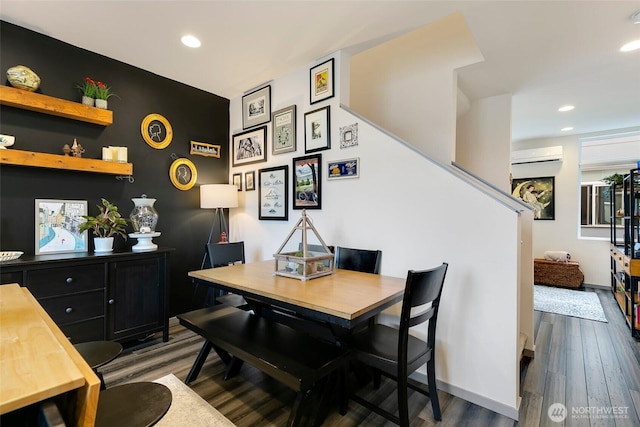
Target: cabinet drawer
{"x": 91, "y": 330}
{"x": 64, "y": 280}
{"x": 74, "y": 308}
{"x": 11, "y": 277}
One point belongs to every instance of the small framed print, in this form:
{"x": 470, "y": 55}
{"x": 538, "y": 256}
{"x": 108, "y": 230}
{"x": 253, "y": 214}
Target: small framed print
{"x": 307, "y": 180}
{"x": 539, "y": 193}
{"x": 249, "y": 181}
{"x": 249, "y": 147}
{"x": 322, "y": 82}
{"x": 349, "y": 136}
{"x": 237, "y": 180}
{"x": 256, "y": 107}
{"x": 57, "y": 223}
{"x": 272, "y": 189}
{"x": 339, "y": 169}
{"x": 283, "y": 130}
{"x": 156, "y": 131}
{"x": 204, "y": 149}
{"x": 183, "y": 174}
{"x": 317, "y": 130}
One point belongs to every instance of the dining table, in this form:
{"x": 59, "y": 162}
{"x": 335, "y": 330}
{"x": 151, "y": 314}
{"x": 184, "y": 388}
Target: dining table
{"x": 38, "y": 362}
{"x": 329, "y": 307}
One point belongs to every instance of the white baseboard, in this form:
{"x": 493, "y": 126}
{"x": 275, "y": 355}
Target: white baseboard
{"x": 492, "y": 405}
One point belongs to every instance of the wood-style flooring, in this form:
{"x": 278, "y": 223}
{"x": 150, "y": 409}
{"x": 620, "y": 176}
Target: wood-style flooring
{"x": 590, "y": 367}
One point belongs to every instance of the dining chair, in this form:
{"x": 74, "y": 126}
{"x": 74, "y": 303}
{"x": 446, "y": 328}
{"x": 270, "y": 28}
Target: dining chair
{"x": 363, "y": 260}
{"x": 395, "y": 353}
{"x": 221, "y": 255}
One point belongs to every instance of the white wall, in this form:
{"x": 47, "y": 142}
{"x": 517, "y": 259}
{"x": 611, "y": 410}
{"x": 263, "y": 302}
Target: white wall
{"x": 419, "y": 214}
{"x": 483, "y": 140}
{"x": 407, "y": 85}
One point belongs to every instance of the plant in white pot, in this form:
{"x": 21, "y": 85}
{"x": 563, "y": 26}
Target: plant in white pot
{"x": 105, "y": 226}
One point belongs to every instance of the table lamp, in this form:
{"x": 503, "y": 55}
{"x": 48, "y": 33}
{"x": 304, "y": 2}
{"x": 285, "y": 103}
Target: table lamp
{"x": 218, "y": 197}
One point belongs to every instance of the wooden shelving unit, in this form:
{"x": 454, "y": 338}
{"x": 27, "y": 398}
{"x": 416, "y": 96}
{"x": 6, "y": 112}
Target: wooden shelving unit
{"x": 54, "y": 106}
{"x": 55, "y": 161}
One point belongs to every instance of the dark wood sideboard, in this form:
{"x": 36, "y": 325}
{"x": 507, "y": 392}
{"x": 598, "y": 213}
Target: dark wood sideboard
{"x": 120, "y": 296}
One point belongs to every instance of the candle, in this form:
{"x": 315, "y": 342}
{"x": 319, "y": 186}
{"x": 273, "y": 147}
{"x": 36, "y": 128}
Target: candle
{"x": 122, "y": 154}
{"x": 106, "y": 154}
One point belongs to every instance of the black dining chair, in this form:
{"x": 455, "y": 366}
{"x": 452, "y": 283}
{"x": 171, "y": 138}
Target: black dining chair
{"x": 395, "y": 353}
{"x": 220, "y": 255}
{"x": 363, "y": 260}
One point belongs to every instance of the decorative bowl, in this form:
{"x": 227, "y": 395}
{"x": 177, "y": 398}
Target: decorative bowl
{"x": 9, "y": 255}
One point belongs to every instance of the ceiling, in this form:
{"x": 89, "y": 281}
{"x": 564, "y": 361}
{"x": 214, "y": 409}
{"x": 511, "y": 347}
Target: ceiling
{"x": 545, "y": 53}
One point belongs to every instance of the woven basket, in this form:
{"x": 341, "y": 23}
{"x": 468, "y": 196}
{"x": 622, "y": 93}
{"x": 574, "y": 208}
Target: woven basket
{"x": 555, "y": 273}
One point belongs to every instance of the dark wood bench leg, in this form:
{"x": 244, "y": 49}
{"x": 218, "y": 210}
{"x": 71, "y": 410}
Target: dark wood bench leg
{"x": 297, "y": 411}
{"x": 233, "y": 367}
{"x": 197, "y": 365}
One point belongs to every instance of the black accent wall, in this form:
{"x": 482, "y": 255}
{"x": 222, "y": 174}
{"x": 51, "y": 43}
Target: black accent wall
{"x": 194, "y": 115}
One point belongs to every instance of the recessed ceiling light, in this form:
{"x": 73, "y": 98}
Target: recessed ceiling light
{"x": 566, "y": 108}
{"x": 567, "y": 129}
{"x": 190, "y": 41}
{"x": 630, "y": 46}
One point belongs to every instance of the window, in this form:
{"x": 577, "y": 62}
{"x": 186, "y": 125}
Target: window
{"x": 595, "y": 204}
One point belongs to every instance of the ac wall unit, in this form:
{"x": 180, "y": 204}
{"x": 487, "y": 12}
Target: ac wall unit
{"x": 537, "y": 155}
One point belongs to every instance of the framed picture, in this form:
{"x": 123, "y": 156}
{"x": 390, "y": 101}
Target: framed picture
{"x": 156, "y": 131}
{"x": 57, "y": 224}
{"x": 306, "y": 184}
{"x": 322, "y": 82}
{"x": 317, "y": 130}
{"x": 237, "y": 180}
{"x": 183, "y": 174}
{"x": 283, "y": 130}
{"x": 272, "y": 189}
{"x": 538, "y": 193}
{"x": 339, "y": 169}
{"x": 204, "y": 149}
{"x": 349, "y": 136}
{"x": 249, "y": 181}
{"x": 256, "y": 107}
{"x": 249, "y": 147}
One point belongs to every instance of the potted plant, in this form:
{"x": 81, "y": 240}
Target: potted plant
{"x": 88, "y": 88}
{"x": 103, "y": 92}
{"x": 104, "y": 226}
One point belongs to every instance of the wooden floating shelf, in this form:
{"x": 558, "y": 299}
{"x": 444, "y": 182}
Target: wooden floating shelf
{"x": 56, "y": 161}
{"x": 32, "y": 101}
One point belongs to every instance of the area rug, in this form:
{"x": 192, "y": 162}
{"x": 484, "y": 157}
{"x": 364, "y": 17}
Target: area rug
{"x": 189, "y": 409}
{"x": 585, "y": 305}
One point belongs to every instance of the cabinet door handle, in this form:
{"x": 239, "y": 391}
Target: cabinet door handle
{"x": 69, "y": 280}
{"x": 68, "y": 310}
{"x": 112, "y": 301}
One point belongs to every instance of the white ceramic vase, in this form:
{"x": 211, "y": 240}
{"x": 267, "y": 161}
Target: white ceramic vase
{"x": 101, "y": 103}
{"x": 103, "y": 244}
{"x": 87, "y": 100}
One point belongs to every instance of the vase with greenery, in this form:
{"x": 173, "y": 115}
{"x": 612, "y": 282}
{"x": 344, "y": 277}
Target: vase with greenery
{"x": 88, "y": 88}
{"x": 103, "y": 93}
{"x": 105, "y": 225}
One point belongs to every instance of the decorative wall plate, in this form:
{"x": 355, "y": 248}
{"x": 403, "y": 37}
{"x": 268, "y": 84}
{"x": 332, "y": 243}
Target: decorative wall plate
{"x": 183, "y": 174}
{"x": 156, "y": 131}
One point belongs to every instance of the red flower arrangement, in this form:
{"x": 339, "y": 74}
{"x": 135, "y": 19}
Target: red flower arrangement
{"x": 88, "y": 87}
{"x": 103, "y": 91}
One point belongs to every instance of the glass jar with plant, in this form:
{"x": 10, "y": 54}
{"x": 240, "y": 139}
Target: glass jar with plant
{"x": 105, "y": 226}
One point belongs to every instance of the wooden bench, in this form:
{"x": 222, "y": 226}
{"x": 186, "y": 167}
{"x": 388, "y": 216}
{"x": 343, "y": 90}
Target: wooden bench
{"x": 556, "y": 273}
{"x": 290, "y": 356}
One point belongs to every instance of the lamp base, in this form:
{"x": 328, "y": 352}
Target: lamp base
{"x": 144, "y": 241}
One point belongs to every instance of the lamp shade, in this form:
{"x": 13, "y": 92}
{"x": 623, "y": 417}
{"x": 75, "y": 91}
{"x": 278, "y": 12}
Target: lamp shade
{"x": 218, "y": 196}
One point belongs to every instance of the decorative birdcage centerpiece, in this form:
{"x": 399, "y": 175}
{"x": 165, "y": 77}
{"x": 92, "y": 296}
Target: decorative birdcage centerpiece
{"x": 298, "y": 258}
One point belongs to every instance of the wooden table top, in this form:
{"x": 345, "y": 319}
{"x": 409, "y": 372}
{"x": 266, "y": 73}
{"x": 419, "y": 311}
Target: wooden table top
{"x": 344, "y": 294}
{"x": 34, "y": 363}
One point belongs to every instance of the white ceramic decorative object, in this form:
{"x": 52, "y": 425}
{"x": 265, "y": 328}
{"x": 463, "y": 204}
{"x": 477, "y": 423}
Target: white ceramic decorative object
{"x": 103, "y": 244}
{"x": 22, "y": 77}
{"x": 101, "y": 103}
{"x": 145, "y": 241}
{"x": 144, "y": 217}
{"x": 87, "y": 100}
{"x": 6, "y": 141}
